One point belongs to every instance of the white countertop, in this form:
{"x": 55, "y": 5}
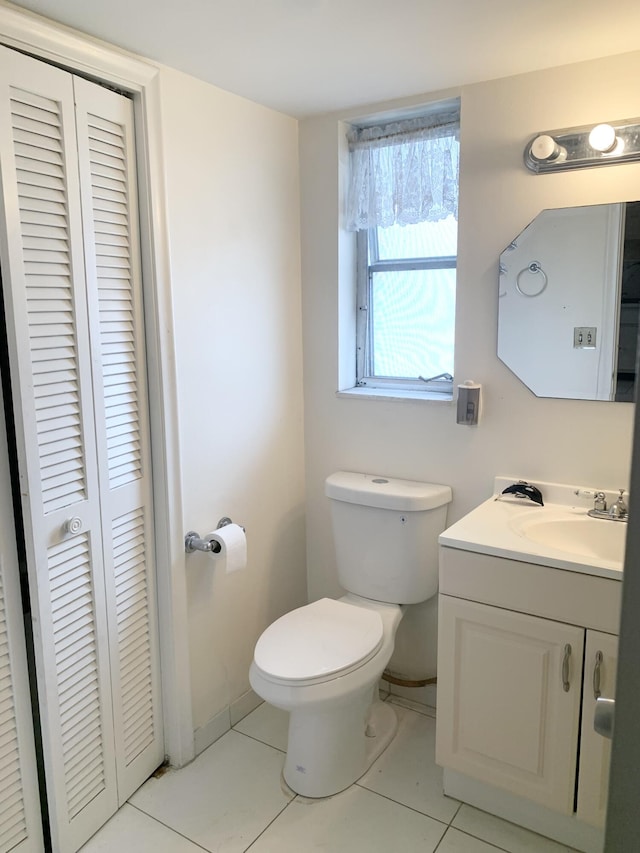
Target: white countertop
{"x": 492, "y": 528}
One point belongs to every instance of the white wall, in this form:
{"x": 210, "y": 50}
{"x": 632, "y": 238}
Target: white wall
{"x": 233, "y": 211}
{"x": 519, "y": 434}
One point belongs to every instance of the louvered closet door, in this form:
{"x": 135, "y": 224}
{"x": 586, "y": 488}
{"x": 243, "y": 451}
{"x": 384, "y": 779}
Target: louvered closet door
{"x": 20, "y": 826}
{"x": 107, "y": 177}
{"x": 75, "y": 324}
{"x": 47, "y": 326}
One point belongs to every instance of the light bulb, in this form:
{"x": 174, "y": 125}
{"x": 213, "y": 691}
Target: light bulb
{"x": 603, "y": 138}
{"x": 544, "y": 147}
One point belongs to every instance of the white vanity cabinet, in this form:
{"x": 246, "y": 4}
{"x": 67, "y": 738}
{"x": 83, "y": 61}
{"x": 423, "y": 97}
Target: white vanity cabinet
{"x": 509, "y": 692}
{"x": 523, "y": 650}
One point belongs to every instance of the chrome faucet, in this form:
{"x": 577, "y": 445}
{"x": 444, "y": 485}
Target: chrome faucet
{"x": 618, "y": 511}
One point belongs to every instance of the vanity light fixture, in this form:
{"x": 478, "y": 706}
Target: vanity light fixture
{"x": 577, "y": 147}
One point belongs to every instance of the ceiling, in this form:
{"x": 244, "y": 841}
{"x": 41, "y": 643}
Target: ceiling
{"x": 304, "y": 57}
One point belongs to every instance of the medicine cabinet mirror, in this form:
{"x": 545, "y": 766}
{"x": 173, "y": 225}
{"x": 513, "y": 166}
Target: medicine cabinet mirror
{"x": 568, "y": 302}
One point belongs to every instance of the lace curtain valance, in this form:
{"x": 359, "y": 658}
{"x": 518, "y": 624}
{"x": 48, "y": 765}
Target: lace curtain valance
{"x": 403, "y": 173}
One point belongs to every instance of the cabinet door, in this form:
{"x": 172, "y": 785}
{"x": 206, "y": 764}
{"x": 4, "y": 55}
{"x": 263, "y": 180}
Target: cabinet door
{"x": 601, "y": 657}
{"x": 509, "y": 689}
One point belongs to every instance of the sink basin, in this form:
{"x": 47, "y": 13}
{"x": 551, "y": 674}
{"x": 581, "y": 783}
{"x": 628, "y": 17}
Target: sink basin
{"x": 559, "y": 535}
{"x": 575, "y": 534}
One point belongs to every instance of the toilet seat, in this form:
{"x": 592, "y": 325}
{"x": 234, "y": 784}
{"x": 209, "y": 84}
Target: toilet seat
{"x": 319, "y": 641}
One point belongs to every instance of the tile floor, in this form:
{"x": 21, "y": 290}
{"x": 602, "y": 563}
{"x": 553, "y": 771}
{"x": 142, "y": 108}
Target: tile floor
{"x": 232, "y": 799}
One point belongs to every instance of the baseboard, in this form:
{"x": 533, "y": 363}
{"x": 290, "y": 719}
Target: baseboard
{"x": 224, "y": 720}
{"x": 211, "y": 731}
{"x": 247, "y": 703}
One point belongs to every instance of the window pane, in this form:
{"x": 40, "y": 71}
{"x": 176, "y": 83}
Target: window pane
{"x": 424, "y": 240}
{"x": 413, "y": 322}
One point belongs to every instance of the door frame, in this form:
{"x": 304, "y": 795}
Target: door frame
{"x": 623, "y": 815}
{"x": 98, "y": 61}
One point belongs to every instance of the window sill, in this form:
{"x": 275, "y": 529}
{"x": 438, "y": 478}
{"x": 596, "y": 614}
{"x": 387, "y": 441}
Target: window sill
{"x": 393, "y": 395}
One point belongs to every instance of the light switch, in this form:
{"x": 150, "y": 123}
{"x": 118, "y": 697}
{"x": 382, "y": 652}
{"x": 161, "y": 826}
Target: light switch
{"x": 584, "y": 337}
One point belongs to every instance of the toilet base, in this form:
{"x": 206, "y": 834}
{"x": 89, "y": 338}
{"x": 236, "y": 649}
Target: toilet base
{"x": 332, "y": 748}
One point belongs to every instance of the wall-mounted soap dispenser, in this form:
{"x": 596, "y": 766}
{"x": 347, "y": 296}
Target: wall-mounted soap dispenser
{"x": 468, "y": 403}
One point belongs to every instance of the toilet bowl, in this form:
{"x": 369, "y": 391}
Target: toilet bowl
{"x": 322, "y": 663}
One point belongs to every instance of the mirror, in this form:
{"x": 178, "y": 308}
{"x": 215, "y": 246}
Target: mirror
{"x": 568, "y": 302}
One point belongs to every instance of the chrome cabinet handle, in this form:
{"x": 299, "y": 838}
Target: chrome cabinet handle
{"x": 596, "y": 675}
{"x": 565, "y": 668}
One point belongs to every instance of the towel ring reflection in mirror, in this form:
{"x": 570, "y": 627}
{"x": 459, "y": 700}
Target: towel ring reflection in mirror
{"x": 534, "y": 268}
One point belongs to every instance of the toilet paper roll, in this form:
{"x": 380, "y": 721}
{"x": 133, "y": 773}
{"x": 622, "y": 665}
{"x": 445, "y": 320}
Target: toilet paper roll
{"x": 233, "y": 546}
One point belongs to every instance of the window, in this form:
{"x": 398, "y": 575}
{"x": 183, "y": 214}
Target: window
{"x": 403, "y": 205}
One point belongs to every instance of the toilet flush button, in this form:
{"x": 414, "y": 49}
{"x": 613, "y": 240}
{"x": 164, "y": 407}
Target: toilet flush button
{"x": 379, "y": 480}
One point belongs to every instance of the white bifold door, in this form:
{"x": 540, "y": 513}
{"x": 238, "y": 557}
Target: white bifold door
{"x": 72, "y": 289}
{"x": 20, "y": 825}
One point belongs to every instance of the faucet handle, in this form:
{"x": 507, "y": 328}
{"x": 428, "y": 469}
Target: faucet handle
{"x": 600, "y": 502}
{"x": 619, "y": 508}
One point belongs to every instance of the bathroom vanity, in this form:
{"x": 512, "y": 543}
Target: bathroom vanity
{"x": 529, "y": 608}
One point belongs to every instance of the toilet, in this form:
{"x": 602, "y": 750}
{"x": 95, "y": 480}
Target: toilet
{"x": 322, "y": 662}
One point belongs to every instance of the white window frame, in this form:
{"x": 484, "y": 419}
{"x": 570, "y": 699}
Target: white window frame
{"x": 368, "y": 263}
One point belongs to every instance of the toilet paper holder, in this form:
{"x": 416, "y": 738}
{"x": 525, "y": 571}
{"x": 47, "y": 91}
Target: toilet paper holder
{"x": 193, "y": 542}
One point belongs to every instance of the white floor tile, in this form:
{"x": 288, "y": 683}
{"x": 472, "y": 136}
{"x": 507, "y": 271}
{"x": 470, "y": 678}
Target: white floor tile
{"x": 268, "y": 724}
{"x": 130, "y": 829}
{"x": 458, "y": 842}
{"x": 506, "y": 835}
{"x": 231, "y": 799}
{"x": 356, "y": 821}
{"x": 406, "y": 771}
{"x": 224, "y": 799}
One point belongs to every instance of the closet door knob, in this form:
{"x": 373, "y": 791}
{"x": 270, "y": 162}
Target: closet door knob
{"x": 72, "y": 526}
{"x": 604, "y": 717}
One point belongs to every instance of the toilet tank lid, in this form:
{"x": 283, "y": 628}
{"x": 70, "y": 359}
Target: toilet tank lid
{"x": 385, "y": 492}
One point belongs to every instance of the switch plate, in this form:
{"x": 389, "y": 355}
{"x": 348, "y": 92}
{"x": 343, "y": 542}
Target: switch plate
{"x": 584, "y": 337}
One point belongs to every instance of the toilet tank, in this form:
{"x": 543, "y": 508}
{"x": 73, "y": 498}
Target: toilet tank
{"x": 385, "y": 534}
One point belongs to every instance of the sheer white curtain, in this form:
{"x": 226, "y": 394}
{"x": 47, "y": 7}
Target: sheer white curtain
{"x": 404, "y": 172}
